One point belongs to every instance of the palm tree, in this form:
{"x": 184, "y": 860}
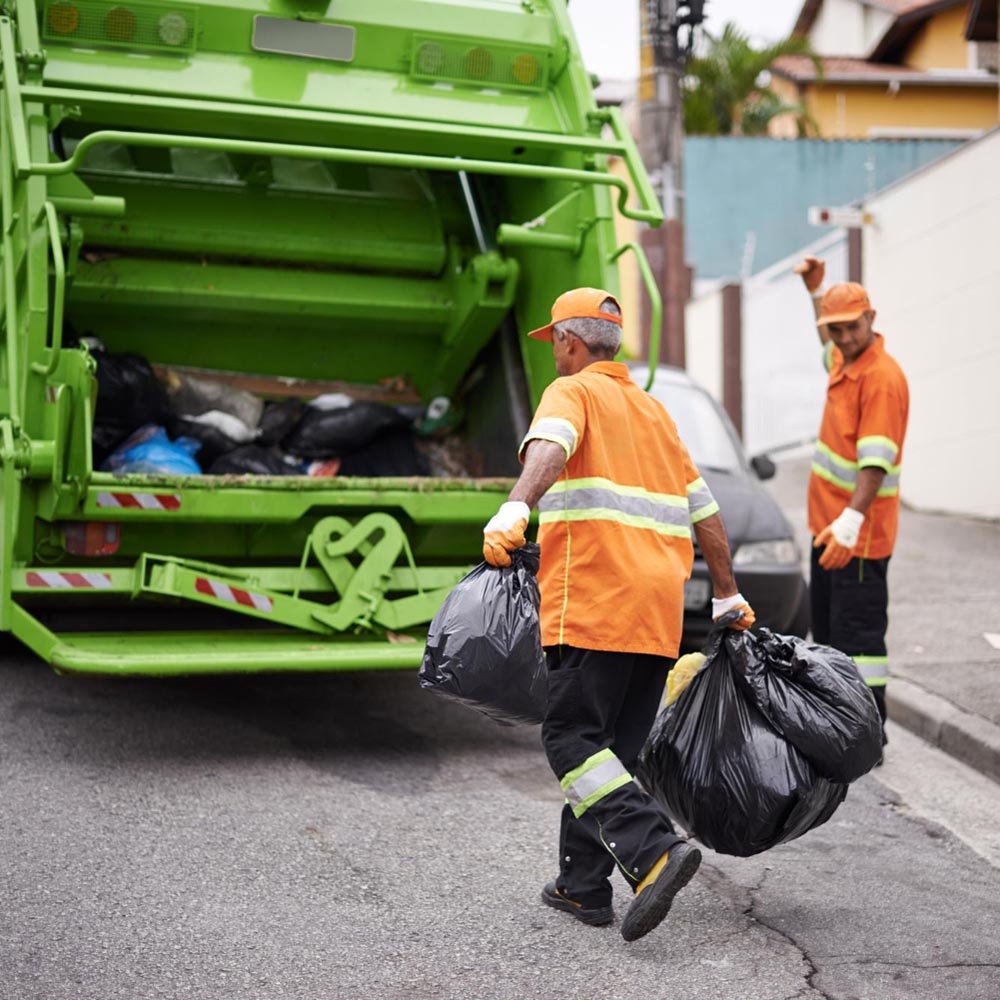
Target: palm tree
{"x": 726, "y": 88}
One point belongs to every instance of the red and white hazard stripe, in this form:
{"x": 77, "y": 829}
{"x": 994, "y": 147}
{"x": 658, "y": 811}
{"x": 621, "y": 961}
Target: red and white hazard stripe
{"x": 51, "y": 580}
{"x": 223, "y": 592}
{"x": 140, "y": 501}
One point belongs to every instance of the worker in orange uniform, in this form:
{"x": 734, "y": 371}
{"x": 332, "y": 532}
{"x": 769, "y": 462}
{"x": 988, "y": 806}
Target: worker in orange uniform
{"x": 854, "y": 486}
{"x": 618, "y": 497}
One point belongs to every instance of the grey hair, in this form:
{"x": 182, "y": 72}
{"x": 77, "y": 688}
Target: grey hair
{"x": 600, "y": 336}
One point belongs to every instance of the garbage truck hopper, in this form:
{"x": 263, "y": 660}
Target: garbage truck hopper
{"x": 319, "y": 208}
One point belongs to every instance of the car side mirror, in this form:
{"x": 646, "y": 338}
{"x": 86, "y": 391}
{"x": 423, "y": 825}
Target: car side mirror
{"x": 763, "y": 466}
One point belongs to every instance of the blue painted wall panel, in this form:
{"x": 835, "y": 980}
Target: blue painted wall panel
{"x": 736, "y": 186}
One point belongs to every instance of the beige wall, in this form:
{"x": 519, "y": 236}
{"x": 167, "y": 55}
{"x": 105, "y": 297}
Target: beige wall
{"x": 627, "y": 231}
{"x": 703, "y": 341}
{"x": 854, "y": 111}
{"x": 933, "y": 271}
{"x": 940, "y": 43}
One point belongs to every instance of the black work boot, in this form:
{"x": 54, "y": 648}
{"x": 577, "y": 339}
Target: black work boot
{"x": 656, "y": 891}
{"x": 595, "y": 916}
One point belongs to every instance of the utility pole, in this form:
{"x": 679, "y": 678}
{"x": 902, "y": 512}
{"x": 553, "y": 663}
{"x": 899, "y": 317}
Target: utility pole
{"x": 667, "y": 31}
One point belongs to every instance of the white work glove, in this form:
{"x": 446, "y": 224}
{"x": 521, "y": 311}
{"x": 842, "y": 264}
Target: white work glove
{"x": 720, "y": 605}
{"x": 839, "y": 538}
{"x": 505, "y": 532}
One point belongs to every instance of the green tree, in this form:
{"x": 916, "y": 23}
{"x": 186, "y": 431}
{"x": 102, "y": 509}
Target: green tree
{"x": 724, "y": 88}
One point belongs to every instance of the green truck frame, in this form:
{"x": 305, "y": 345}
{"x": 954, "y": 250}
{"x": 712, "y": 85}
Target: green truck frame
{"x": 382, "y": 195}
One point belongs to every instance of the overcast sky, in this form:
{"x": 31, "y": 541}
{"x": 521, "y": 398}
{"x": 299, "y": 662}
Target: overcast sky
{"x": 608, "y": 30}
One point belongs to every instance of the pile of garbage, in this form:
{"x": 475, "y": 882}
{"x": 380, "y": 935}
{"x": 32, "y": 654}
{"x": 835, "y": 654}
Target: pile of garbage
{"x": 181, "y": 424}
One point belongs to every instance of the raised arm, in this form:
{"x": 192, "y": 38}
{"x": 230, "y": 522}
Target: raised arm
{"x": 812, "y": 271}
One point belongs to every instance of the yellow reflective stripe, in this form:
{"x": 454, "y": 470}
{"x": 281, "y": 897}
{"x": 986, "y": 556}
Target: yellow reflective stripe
{"x": 874, "y": 669}
{"x": 599, "y": 775}
{"x": 541, "y": 436}
{"x": 606, "y": 789}
{"x": 703, "y": 512}
{"x": 700, "y": 500}
{"x": 877, "y": 451}
{"x": 606, "y": 514}
{"x": 818, "y": 470}
{"x": 598, "y": 482}
{"x": 874, "y": 462}
{"x": 879, "y": 439}
{"x": 844, "y": 463}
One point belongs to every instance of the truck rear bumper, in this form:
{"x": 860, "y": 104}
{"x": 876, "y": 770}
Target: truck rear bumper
{"x": 233, "y": 651}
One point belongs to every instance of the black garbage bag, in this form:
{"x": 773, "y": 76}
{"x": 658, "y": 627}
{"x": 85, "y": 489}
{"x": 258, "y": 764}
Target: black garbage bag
{"x": 484, "y": 646}
{"x": 128, "y": 392}
{"x": 129, "y": 396}
{"x": 252, "y": 460}
{"x": 331, "y": 433}
{"x": 278, "y": 419}
{"x": 723, "y": 766}
{"x": 818, "y": 701}
{"x": 391, "y": 453}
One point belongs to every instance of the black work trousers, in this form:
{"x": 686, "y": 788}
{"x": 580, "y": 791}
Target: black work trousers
{"x": 600, "y": 710}
{"x": 850, "y": 611}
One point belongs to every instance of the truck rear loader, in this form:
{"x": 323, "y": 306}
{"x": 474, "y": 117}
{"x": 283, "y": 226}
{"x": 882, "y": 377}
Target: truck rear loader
{"x": 291, "y": 197}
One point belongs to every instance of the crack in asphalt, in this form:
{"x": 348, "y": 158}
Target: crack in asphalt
{"x": 748, "y": 906}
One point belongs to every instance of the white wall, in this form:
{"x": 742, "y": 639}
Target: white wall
{"x": 839, "y": 29}
{"x": 932, "y": 267}
{"x": 784, "y": 382}
{"x": 703, "y": 341}
{"x": 848, "y": 28}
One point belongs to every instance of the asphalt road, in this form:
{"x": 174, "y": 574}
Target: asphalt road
{"x": 352, "y": 837}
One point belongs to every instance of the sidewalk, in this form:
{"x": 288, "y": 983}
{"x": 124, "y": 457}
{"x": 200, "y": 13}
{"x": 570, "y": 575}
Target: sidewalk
{"x": 944, "y": 597}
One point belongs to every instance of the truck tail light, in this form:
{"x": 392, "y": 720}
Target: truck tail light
{"x": 63, "y": 18}
{"x": 92, "y": 538}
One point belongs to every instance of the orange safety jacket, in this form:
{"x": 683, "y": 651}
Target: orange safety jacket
{"x": 615, "y": 528}
{"x": 863, "y": 426}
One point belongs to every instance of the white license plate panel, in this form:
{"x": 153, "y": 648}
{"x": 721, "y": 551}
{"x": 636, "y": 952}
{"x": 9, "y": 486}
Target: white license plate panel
{"x": 696, "y": 594}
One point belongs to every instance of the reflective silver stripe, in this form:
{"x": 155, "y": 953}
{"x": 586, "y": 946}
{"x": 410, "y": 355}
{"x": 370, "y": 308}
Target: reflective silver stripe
{"x": 701, "y": 501}
{"x": 595, "y": 778}
{"x": 589, "y": 498}
{"x": 839, "y": 472}
{"x": 555, "y": 429}
{"x": 843, "y": 472}
{"x": 877, "y": 454}
{"x": 874, "y": 669}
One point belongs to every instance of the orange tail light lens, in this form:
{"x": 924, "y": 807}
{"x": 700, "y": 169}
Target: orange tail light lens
{"x": 64, "y": 18}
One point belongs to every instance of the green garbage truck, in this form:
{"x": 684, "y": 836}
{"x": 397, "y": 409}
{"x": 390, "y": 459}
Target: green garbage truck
{"x": 291, "y": 197}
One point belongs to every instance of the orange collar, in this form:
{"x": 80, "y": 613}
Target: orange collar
{"x": 868, "y": 357}
{"x": 613, "y": 368}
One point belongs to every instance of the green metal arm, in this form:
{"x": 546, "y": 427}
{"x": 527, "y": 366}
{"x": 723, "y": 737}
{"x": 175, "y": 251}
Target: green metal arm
{"x": 633, "y": 163}
{"x": 410, "y": 161}
{"x": 8, "y": 268}
{"x": 59, "y": 296}
{"x": 655, "y": 305}
{"x": 12, "y": 99}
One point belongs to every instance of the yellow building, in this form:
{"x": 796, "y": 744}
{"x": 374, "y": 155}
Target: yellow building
{"x": 891, "y": 68}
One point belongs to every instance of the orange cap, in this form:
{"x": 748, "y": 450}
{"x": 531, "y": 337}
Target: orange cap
{"x": 579, "y": 303}
{"x": 843, "y": 303}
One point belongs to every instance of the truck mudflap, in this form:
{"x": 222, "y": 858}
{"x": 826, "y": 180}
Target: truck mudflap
{"x": 375, "y": 601}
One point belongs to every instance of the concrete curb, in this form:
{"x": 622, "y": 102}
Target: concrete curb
{"x": 969, "y": 738}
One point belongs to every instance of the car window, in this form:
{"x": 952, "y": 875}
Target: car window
{"x": 700, "y": 427}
